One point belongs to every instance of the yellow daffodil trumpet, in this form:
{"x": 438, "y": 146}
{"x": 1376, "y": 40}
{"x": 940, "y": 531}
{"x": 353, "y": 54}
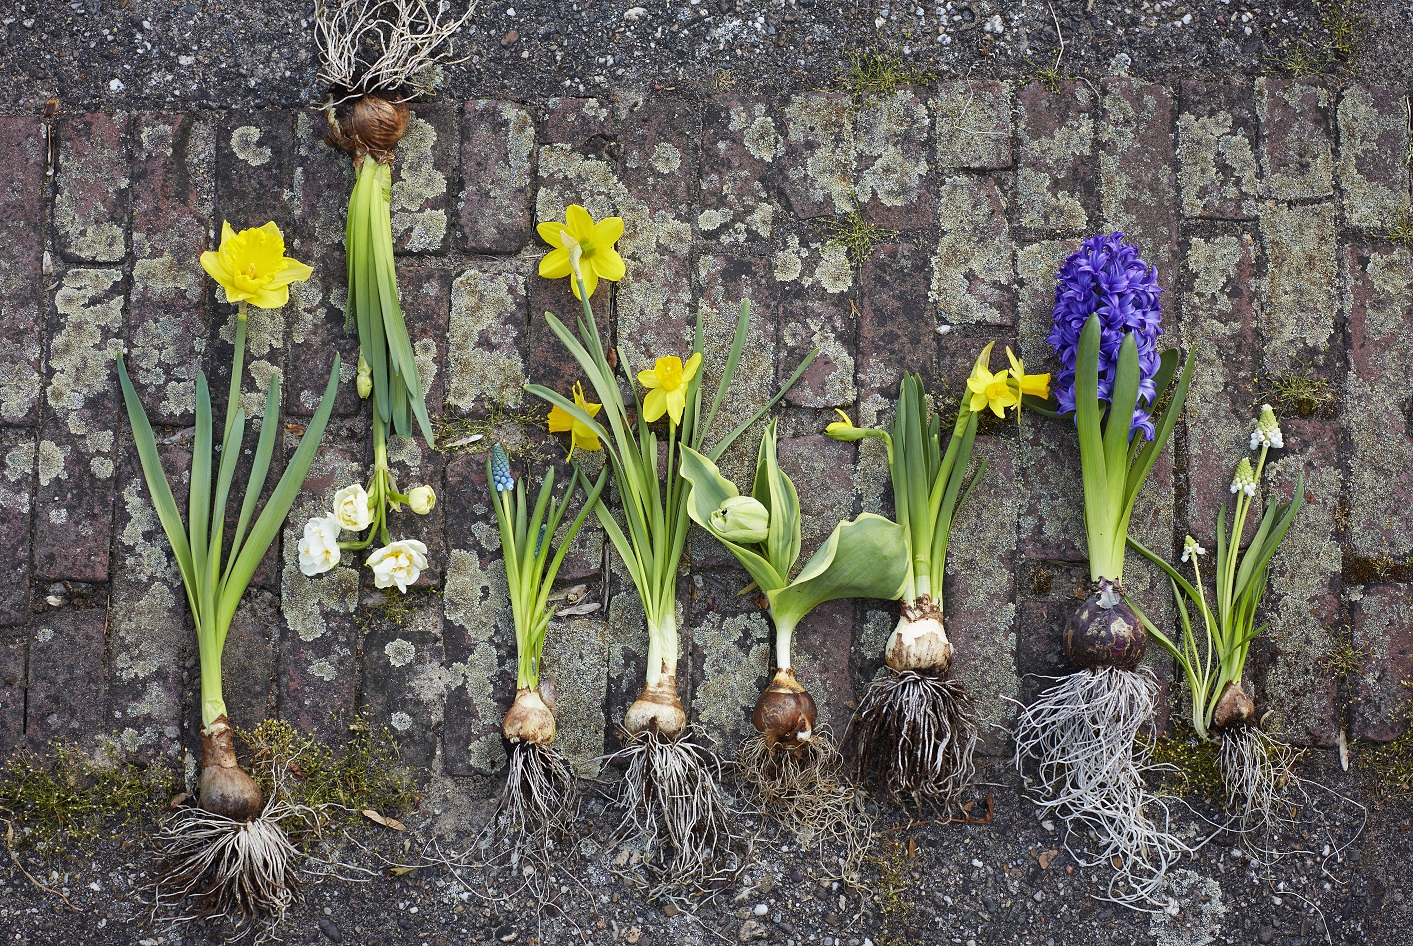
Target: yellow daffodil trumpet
{"x": 231, "y": 851}
{"x": 582, "y": 250}
{"x": 792, "y": 760}
{"x": 675, "y": 808}
{"x": 581, "y": 435}
{"x": 537, "y": 802}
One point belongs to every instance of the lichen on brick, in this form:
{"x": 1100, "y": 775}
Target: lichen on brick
{"x": 891, "y": 138}
{"x": 973, "y": 125}
{"x": 1217, "y": 164}
{"x": 480, "y": 367}
{"x": 735, "y": 659}
{"x": 972, "y": 270}
{"x": 416, "y": 184}
{"x": 1365, "y": 137}
{"x": 245, "y": 144}
{"x": 822, "y": 128}
{"x": 475, "y": 599}
{"x": 81, "y": 352}
{"x": 1299, "y": 286}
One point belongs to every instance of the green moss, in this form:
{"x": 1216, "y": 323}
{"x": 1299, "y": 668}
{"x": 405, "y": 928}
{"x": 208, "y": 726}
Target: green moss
{"x": 1392, "y": 762}
{"x": 855, "y": 235}
{"x": 1300, "y": 391}
{"x": 396, "y": 608}
{"x": 1332, "y": 48}
{"x": 889, "y": 861}
{"x": 1193, "y": 765}
{"x": 1400, "y": 230}
{"x": 1378, "y": 569}
{"x": 64, "y": 791}
{"x": 871, "y": 76}
{"x": 366, "y": 774}
{"x": 476, "y": 434}
{"x": 1342, "y": 662}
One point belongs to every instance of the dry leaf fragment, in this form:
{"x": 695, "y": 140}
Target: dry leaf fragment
{"x": 1046, "y": 858}
{"x": 383, "y": 820}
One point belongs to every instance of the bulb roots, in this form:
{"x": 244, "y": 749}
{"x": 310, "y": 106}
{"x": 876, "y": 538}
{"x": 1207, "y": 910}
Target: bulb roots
{"x": 914, "y": 735}
{"x": 385, "y": 46}
{"x": 1080, "y": 734}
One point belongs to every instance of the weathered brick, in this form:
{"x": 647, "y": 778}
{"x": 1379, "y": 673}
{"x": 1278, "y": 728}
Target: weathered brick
{"x": 1298, "y": 293}
{"x": 1383, "y": 634}
{"x": 1373, "y": 154}
{"x": 255, "y": 157}
{"x": 485, "y": 361}
{"x": 979, "y": 593}
{"x": 404, "y": 681}
{"x": 1138, "y": 172}
{"x": 249, "y": 663}
{"x": 497, "y": 144}
{"x": 1218, "y": 323}
{"x": 150, "y": 632}
{"x": 820, "y": 652}
{"x": 891, "y": 152}
{"x": 576, "y": 666}
{"x": 1297, "y": 152}
{"x": 973, "y": 270}
{"x": 1302, "y": 601}
{"x": 12, "y": 696}
{"x": 318, "y": 641}
{"x": 1217, "y": 151}
{"x": 316, "y": 315}
{"x": 1380, "y": 479}
{"x": 1055, "y": 182}
{"x": 661, "y": 162}
{"x": 17, "y": 454}
{"x": 479, "y": 633}
{"x": 171, "y": 208}
{"x": 76, "y": 449}
{"x": 424, "y": 162}
{"x": 733, "y": 650}
{"x": 91, "y": 203}
{"x": 741, "y": 143}
{"x": 973, "y": 125}
{"x": 813, "y": 282}
{"x": 66, "y": 697}
{"x": 576, "y": 165}
{"x": 818, "y": 161}
{"x": 22, "y": 191}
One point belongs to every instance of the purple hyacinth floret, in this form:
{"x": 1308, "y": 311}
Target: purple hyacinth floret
{"x": 1107, "y": 276}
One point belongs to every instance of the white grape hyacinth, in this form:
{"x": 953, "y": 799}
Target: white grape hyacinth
{"x": 1245, "y": 479}
{"x": 1268, "y": 430}
{"x": 1190, "y": 549}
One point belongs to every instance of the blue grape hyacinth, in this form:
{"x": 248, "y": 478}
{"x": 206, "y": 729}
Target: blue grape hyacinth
{"x": 501, "y": 478}
{"x": 1106, "y": 276}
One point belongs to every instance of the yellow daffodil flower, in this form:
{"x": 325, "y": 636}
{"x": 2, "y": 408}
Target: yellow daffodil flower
{"x": 667, "y": 386}
{"x": 595, "y": 258}
{"x": 252, "y": 267}
{"x": 580, "y": 434}
{"x": 991, "y": 390}
{"x": 840, "y": 428}
{"x": 1037, "y": 385}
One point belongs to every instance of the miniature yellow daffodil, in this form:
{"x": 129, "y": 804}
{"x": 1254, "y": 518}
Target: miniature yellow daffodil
{"x": 840, "y": 429}
{"x": 991, "y": 390}
{"x": 667, "y": 383}
{"x": 582, "y": 248}
{"x": 252, "y": 267}
{"x": 1037, "y": 385}
{"x": 580, "y": 434}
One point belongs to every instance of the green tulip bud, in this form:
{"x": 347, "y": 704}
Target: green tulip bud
{"x": 365, "y": 377}
{"x": 742, "y": 520}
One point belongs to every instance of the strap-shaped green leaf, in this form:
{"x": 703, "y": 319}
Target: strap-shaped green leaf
{"x": 1117, "y": 430}
{"x": 1098, "y": 517}
{"x": 199, "y": 493}
{"x": 267, "y": 525}
{"x": 259, "y": 470}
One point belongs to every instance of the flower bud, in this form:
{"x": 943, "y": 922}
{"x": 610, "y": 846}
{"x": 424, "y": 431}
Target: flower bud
{"x": 845, "y": 430}
{"x": 501, "y": 478}
{"x": 421, "y": 499}
{"x": 1245, "y": 479}
{"x": 741, "y": 519}
{"x": 1268, "y": 430}
{"x": 365, "y": 377}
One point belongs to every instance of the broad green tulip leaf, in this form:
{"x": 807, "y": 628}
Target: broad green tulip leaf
{"x": 865, "y": 558}
{"x": 776, "y": 493}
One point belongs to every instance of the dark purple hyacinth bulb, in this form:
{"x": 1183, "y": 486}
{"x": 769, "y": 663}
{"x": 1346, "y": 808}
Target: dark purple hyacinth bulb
{"x": 1106, "y": 276}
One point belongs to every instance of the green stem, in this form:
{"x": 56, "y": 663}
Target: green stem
{"x": 237, "y": 366}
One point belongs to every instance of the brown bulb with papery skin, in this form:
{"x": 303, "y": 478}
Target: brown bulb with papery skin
{"x": 1234, "y": 708}
{"x": 919, "y": 639}
{"x": 658, "y": 709}
{"x": 1098, "y": 636}
{"x": 371, "y": 125}
{"x": 531, "y": 718}
{"x": 225, "y": 789}
{"x": 785, "y": 713}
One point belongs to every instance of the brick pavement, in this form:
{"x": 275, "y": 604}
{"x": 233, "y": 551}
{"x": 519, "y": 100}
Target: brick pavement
{"x": 1264, "y": 205}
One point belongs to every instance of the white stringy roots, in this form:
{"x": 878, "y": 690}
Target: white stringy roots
{"x": 1080, "y": 734}
{"x": 804, "y": 792}
{"x": 914, "y": 735}
{"x": 384, "y": 46}
{"x": 248, "y": 872}
{"x": 676, "y": 812}
{"x": 537, "y": 804}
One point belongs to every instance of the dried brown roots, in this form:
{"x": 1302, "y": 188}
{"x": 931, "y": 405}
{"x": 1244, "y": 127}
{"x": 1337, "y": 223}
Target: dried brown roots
{"x": 913, "y": 737}
{"x": 676, "y": 813}
{"x": 804, "y": 791}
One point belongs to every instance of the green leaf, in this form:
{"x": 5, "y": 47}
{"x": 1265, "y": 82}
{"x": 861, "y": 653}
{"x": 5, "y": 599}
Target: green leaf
{"x": 267, "y": 526}
{"x": 709, "y": 489}
{"x": 199, "y": 494}
{"x": 774, "y": 490}
{"x": 1117, "y": 433}
{"x": 865, "y": 558}
{"x": 259, "y": 470}
{"x": 1099, "y": 518}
